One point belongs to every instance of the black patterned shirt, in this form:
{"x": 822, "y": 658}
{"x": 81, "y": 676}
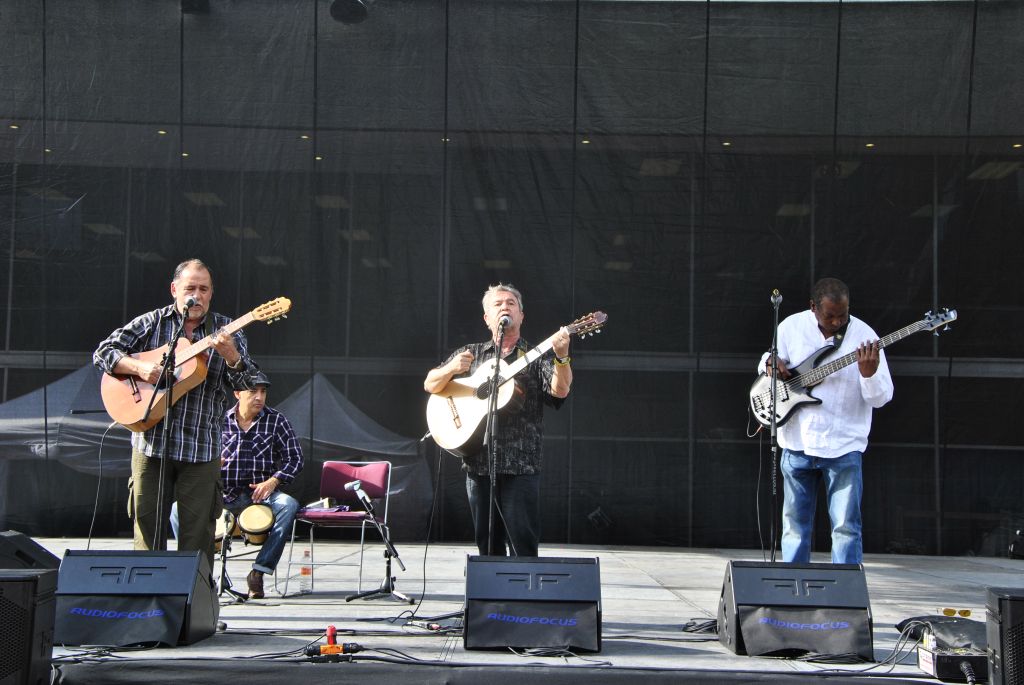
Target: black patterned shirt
{"x": 269, "y": 448}
{"x": 198, "y": 415}
{"x": 520, "y": 435}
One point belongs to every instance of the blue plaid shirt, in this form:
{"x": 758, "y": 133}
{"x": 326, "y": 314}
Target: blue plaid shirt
{"x": 269, "y": 448}
{"x": 199, "y": 414}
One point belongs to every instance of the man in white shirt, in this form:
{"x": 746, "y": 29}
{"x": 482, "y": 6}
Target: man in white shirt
{"x": 826, "y": 442}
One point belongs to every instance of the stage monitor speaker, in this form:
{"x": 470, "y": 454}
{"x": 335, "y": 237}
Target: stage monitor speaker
{"x": 792, "y": 609}
{"x": 1004, "y": 630}
{"x": 533, "y": 602}
{"x": 127, "y": 598}
{"x": 17, "y": 550}
{"x": 26, "y": 625}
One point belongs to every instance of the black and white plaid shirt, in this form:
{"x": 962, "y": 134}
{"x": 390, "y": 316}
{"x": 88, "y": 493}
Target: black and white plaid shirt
{"x": 520, "y": 436}
{"x": 268, "y": 448}
{"x": 198, "y": 415}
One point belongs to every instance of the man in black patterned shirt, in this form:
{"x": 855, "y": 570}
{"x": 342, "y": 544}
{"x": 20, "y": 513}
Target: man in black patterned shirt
{"x": 193, "y": 444}
{"x": 519, "y": 437}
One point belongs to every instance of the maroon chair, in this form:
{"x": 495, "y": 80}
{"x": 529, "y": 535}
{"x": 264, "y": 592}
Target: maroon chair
{"x": 375, "y": 477}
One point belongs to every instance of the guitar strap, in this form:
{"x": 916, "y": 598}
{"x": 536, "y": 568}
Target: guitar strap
{"x": 837, "y": 338}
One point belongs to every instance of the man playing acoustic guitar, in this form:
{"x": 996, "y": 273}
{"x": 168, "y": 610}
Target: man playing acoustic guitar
{"x": 193, "y": 444}
{"x": 517, "y": 442}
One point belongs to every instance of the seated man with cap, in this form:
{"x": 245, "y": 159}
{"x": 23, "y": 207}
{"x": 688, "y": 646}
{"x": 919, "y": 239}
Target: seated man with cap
{"x": 259, "y": 453}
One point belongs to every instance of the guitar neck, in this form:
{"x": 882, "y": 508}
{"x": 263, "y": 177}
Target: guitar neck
{"x": 197, "y": 348}
{"x": 817, "y": 374}
{"x": 533, "y": 355}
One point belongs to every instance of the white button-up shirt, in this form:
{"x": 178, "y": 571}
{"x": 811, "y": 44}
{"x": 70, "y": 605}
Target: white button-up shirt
{"x": 841, "y": 423}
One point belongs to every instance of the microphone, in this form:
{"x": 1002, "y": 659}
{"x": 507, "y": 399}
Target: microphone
{"x": 776, "y": 297}
{"x": 191, "y": 302}
{"x": 354, "y": 485}
{"x": 505, "y": 320}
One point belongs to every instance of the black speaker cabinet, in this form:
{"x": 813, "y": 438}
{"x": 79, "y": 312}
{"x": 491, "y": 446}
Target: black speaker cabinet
{"x": 26, "y": 625}
{"x": 1004, "y": 628}
{"x": 791, "y": 609}
{"x": 129, "y": 598}
{"x": 531, "y": 602}
{"x": 17, "y": 550}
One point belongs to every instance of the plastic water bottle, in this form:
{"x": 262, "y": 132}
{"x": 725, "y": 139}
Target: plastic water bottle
{"x": 306, "y": 574}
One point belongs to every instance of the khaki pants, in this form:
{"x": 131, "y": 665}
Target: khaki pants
{"x": 194, "y": 486}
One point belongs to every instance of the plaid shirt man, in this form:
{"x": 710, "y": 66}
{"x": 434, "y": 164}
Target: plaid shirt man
{"x": 196, "y": 429}
{"x": 269, "y": 448}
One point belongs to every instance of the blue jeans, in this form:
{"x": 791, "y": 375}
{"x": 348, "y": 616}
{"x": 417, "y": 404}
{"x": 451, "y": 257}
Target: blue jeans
{"x": 518, "y": 497}
{"x": 284, "y": 508}
{"x": 844, "y": 485}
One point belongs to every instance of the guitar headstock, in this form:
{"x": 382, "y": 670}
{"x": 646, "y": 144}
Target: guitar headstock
{"x": 273, "y": 310}
{"x": 588, "y": 324}
{"x": 943, "y": 317}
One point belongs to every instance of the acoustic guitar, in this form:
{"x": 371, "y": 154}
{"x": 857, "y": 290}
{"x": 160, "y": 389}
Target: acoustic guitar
{"x": 126, "y": 397}
{"x": 455, "y": 415}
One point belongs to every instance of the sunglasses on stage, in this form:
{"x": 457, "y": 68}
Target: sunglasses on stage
{"x": 947, "y": 611}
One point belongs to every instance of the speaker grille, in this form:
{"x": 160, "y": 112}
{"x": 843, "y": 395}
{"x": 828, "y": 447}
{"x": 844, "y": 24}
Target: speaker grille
{"x": 1013, "y": 657}
{"x": 14, "y": 636}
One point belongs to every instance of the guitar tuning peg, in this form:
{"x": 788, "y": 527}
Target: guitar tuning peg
{"x": 947, "y": 328}
{"x": 936, "y": 333}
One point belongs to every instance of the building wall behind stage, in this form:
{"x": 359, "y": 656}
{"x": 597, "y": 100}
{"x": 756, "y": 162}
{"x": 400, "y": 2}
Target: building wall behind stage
{"x": 670, "y": 163}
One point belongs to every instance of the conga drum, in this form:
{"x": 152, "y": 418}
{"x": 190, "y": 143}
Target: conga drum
{"x": 255, "y": 520}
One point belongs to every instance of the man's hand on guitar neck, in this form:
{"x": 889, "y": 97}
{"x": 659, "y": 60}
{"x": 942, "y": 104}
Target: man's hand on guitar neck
{"x": 867, "y": 358}
{"x": 225, "y": 346}
{"x": 784, "y": 372}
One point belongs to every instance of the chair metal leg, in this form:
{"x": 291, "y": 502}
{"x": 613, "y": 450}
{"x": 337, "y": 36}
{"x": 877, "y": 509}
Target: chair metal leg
{"x": 288, "y": 573}
{"x": 362, "y": 544}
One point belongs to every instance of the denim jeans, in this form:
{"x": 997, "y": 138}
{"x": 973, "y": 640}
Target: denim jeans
{"x": 518, "y": 498}
{"x": 284, "y": 508}
{"x": 844, "y": 485}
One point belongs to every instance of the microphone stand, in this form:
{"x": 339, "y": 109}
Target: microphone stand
{"x": 490, "y": 427}
{"x": 773, "y": 356}
{"x": 387, "y": 586}
{"x": 225, "y": 584}
{"x": 167, "y": 380}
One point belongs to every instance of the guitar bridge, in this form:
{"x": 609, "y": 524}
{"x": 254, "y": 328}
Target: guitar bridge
{"x": 455, "y": 412}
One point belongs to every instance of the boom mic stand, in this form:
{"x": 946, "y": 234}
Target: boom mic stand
{"x": 490, "y": 428}
{"x": 167, "y": 380}
{"x": 387, "y": 586}
{"x": 225, "y": 585}
{"x": 773, "y": 357}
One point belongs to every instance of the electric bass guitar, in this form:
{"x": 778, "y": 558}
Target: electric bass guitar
{"x": 794, "y": 392}
{"x": 126, "y": 397}
{"x": 456, "y": 414}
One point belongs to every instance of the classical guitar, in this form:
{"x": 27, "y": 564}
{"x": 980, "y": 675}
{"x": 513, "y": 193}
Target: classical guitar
{"x": 794, "y": 392}
{"x": 455, "y": 415}
{"x": 126, "y": 397}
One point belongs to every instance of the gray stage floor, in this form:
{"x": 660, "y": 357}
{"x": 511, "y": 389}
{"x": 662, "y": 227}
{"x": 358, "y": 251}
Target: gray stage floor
{"x": 648, "y": 595}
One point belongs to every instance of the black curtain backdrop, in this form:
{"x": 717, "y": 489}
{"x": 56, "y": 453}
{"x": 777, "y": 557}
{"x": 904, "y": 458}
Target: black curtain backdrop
{"x": 667, "y": 162}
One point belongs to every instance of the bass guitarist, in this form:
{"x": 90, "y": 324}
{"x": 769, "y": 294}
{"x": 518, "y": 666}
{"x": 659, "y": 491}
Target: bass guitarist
{"x": 193, "y": 444}
{"x": 826, "y": 442}
{"x": 519, "y": 436}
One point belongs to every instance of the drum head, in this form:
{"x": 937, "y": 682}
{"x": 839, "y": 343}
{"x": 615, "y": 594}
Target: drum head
{"x": 256, "y": 519}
